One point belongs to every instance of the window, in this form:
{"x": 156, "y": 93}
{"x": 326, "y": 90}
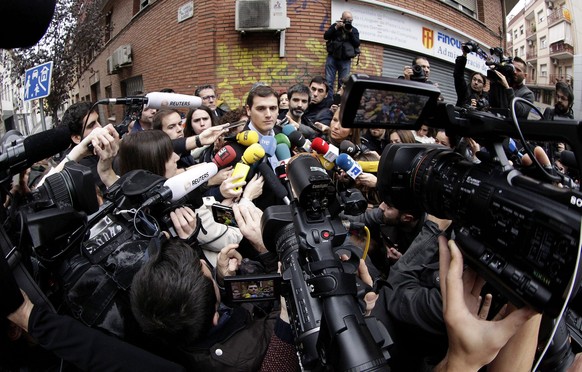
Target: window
{"x": 521, "y": 30}
{"x": 515, "y": 53}
{"x": 541, "y": 17}
{"x": 468, "y": 7}
{"x": 544, "y": 70}
{"x": 522, "y": 51}
{"x": 515, "y": 34}
{"x": 543, "y": 42}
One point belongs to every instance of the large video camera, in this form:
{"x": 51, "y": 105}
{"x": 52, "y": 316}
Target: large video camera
{"x": 496, "y": 61}
{"x": 322, "y": 298}
{"x": 521, "y": 234}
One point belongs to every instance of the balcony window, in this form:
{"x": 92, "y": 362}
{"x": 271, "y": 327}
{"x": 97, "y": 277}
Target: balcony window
{"x": 543, "y": 42}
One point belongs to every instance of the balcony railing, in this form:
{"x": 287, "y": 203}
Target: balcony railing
{"x": 561, "y": 14}
{"x": 531, "y": 55}
{"x": 530, "y": 31}
{"x": 554, "y": 78}
{"x": 561, "y": 48}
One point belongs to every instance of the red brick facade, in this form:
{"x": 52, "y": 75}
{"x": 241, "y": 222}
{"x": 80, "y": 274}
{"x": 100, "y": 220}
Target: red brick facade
{"x": 207, "y": 49}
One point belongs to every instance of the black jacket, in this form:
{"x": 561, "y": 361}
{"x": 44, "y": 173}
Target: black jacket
{"x": 340, "y": 36}
{"x": 464, "y": 91}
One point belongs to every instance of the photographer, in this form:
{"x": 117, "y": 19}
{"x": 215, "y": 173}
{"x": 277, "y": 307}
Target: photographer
{"x": 505, "y": 87}
{"x": 342, "y": 43}
{"x": 419, "y": 71}
{"x": 469, "y": 95}
{"x": 564, "y": 101}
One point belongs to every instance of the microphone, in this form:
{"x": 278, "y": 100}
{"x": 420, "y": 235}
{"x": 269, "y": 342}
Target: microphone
{"x": 175, "y": 188}
{"x": 252, "y": 154}
{"x": 369, "y": 166}
{"x": 348, "y": 147}
{"x": 18, "y": 155}
{"x": 157, "y": 100}
{"x": 328, "y": 165}
{"x": 299, "y": 141}
{"x": 283, "y": 139}
{"x": 225, "y": 156}
{"x": 273, "y": 182}
{"x": 269, "y": 143}
{"x": 245, "y": 138}
{"x": 347, "y": 163}
{"x": 283, "y": 152}
{"x": 329, "y": 151}
{"x": 288, "y": 129}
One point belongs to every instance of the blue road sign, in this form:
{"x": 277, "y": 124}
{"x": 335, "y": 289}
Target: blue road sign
{"x": 37, "y": 81}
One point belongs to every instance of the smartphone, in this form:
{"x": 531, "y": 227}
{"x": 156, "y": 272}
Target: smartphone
{"x": 236, "y": 124}
{"x": 224, "y": 215}
{"x": 250, "y": 288}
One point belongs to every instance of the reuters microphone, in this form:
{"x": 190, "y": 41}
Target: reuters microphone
{"x": 159, "y": 100}
{"x": 349, "y": 165}
{"x": 252, "y": 154}
{"x": 329, "y": 151}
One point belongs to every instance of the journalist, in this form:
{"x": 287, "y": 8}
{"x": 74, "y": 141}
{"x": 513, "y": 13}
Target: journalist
{"x": 342, "y": 44}
{"x": 472, "y": 94}
{"x": 510, "y": 83}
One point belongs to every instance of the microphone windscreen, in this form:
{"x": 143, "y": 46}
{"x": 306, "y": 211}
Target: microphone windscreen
{"x": 344, "y": 161}
{"x": 328, "y": 165}
{"x": 226, "y": 156}
{"x": 247, "y": 137}
{"x": 283, "y": 152}
{"x": 45, "y": 144}
{"x": 191, "y": 179}
{"x": 269, "y": 143}
{"x": 319, "y": 145}
{"x": 160, "y": 100}
{"x": 282, "y": 138}
{"x": 253, "y": 153}
{"x": 297, "y": 139}
{"x": 288, "y": 129}
{"x": 349, "y": 148}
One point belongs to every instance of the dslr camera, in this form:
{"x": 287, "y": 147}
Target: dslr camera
{"x": 418, "y": 73}
{"x": 348, "y": 25}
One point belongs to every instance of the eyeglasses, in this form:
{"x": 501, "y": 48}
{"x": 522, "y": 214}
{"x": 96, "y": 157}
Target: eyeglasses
{"x": 206, "y": 98}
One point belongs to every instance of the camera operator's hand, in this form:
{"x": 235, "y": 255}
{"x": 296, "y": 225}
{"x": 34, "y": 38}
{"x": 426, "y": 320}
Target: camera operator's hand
{"x": 407, "y": 72}
{"x": 254, "y": 188}
{"x": 370, "y": 298}
{"x": 248, "y": 218}
{"x": 21, "y": 316}
{"x": 184, "y": 221}
{"x": 227, "y": 262}
{"x": 502, "y": 79}
{"x": 219, "y": 177}
{"x": 473, "y": 342}
{"x": 339, "y": 24}
{"x": 227, "y": 188}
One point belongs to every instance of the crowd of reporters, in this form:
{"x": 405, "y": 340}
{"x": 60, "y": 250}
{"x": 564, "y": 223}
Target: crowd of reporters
{"x": 169, "y": 315}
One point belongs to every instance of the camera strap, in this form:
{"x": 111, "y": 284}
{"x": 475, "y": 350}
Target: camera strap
{"x": 336, "y": 283}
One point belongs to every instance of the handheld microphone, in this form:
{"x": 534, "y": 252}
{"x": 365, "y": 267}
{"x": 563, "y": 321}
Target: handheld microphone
{"x": 348, "y": 147}
{"x": 273, "y": 182}
{"x": 252, "y": 154}
{"x": 18, "y": 155}
{"x": 328, "y": 165}
{"x": 225, "y": 156}
{"x": 175, "y": 188}
{"x": 159, "y": 100}
{"x": 245, "y": 138}
{"x": 283, "y": 139}
{"x": 288, "y": 129}
{"x": 369, "y": 166}
{"x": 329, "y": 151}
{"x": 269, "y": 143}
{"x": 283, "y": 152}
{"x": 347, "y": 163}
{"x": 299, "y": 142}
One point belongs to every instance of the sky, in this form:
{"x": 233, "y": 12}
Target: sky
{"x": 518, "y": 8}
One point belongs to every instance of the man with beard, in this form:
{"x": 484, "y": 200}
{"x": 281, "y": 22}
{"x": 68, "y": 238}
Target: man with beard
{"x": 502, "y": 93}
{"x": 299, "y": 98}
{"x": 564, "y": 101}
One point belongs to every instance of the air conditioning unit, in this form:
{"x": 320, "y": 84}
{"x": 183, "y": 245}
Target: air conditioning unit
{"x": 122, "y": 56}
{"x": 144, "y": 3}
{"x": 261, "y": 15}
{"x": 111, "y": 68}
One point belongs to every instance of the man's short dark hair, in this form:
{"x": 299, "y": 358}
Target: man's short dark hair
{"x": 202, "y": 87}
{"x": 299, "y": 89}
{"x": 415, "y": 59}
{"x": 171, "y": 298}
{"x": 565, "y": 89}
{"x": 319, "y": 80}
{"x": 517, "y": 59}
{"x": 159, "y": 117}
{"x": 261, "y": 91}
{"x": 74, "y": 116}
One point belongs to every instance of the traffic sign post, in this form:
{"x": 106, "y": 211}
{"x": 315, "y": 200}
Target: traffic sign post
{"x": 37, "y": 85}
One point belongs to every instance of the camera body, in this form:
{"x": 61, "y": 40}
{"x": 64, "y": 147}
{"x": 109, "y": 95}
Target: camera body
{"x": 348, "y": 25}
{"x": 519, "y": 233}
{"x": 418, "y": 73}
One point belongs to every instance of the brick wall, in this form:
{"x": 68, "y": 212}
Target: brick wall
{"x": 207, "y": 49}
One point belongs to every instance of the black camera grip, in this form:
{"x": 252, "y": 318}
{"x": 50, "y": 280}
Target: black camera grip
{"x": 9, "y": 290}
